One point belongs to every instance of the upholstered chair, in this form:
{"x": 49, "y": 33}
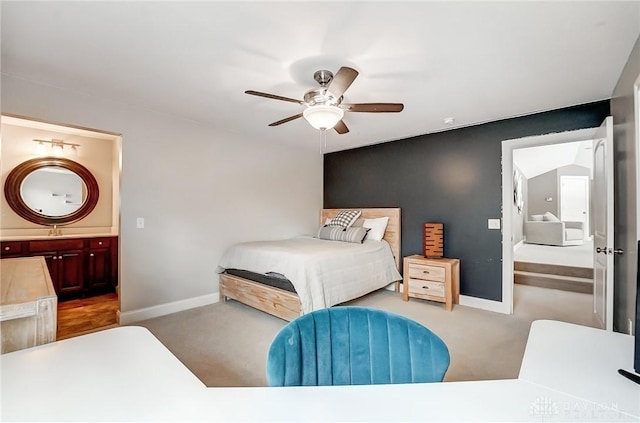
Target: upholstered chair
{"x": 355, "y": 346}
{"x": 547, "y": 229}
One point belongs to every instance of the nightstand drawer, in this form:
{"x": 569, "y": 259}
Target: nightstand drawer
{"x": 426, "y": 272}
{"x": 419, "y": 287}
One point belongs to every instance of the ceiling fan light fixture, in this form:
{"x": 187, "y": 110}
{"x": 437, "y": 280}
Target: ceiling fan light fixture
{"x": 322, "y": 116}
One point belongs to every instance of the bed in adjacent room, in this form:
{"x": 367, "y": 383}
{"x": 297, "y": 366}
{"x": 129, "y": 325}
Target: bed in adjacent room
{"x": 345, "y": 260}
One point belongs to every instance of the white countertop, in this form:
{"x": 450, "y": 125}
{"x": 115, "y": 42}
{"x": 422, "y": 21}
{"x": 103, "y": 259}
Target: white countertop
{"x": 126, "y": 374}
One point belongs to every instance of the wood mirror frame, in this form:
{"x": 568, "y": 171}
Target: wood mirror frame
{"x": 13, "y": 184}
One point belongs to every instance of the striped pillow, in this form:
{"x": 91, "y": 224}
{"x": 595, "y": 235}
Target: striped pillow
{"x": 338, "y": 233}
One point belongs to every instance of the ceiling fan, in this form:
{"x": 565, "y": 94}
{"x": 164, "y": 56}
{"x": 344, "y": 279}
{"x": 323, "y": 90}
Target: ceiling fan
{"x": 324, "y": 106}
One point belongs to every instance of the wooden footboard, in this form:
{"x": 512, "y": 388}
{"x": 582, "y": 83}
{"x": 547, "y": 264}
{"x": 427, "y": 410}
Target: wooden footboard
{"x": 275, "y": 301}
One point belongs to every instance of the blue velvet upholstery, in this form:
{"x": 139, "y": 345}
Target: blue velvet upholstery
{"x": 355, "y": 346}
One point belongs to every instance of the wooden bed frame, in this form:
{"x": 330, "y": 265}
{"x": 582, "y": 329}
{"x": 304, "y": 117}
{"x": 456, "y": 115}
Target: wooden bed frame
{"x": 286, "y": 305}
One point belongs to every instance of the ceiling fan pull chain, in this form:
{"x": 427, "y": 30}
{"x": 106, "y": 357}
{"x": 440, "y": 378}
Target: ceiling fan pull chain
{"x": 323, "y": 141}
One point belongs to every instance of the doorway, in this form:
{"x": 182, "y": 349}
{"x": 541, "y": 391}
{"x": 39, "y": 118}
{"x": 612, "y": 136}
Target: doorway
{"x": 510, "y": 218}
{"x": 82, "y": 254}
{"x": 554, "y": 256}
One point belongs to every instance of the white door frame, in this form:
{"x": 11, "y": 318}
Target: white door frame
{"x": 507, "y": 198}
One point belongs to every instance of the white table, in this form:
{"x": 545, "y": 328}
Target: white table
{"x": 582, "y": 361}
{"x": 127, "y": 374}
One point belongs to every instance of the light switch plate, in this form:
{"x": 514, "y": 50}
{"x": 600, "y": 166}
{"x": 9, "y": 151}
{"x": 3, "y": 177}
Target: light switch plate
{"x": 494, "y": 223}
{"x": 140, "y": 223}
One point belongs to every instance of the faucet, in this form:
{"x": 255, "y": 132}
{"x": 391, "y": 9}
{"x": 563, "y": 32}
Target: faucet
{"x": 54, "y": 231}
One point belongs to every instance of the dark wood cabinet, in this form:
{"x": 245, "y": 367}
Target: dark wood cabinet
{"x": 11, "y": 249}
{"x": 65, "y": 262}
{"x": 99, "y": 264}
{"x": 66, "y": 270}
{"x": 78, "y": 266}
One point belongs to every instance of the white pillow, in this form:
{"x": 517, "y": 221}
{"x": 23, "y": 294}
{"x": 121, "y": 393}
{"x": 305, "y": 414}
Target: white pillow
{"x": 550, "y": 217}
{"x": 376, "y": 228}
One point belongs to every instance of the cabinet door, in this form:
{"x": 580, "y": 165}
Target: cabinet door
{"x": 99, "y": 268}
{"x": 69, "y": 271}
{"x": 52, "y": 264}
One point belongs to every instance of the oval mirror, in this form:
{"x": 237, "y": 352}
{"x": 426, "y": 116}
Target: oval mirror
{"x": 51, "y": 191}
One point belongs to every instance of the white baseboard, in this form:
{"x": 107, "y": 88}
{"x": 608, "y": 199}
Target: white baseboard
{"x": 168, "y": 308}
{"x": 483, "y": 304}
{"x": 518, "y": 245}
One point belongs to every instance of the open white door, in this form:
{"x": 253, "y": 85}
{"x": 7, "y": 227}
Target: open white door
{"x": 603, "y": 224}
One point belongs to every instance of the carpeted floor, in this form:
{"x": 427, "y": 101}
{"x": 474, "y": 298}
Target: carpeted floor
{"x": 225, "y": 344}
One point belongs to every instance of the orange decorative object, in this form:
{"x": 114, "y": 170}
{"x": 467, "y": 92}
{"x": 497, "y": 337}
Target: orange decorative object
{"x": 433, "y": 240}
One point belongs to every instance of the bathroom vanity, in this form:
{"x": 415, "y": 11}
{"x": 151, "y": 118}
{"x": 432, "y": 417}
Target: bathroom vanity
{"x": 79, "y": 266}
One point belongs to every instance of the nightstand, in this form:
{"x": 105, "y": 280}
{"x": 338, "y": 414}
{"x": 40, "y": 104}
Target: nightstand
{"x": 435, "y": 279}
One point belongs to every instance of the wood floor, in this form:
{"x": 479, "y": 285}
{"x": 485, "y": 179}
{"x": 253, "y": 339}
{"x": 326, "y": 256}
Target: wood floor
{"x": 85, "y": 315}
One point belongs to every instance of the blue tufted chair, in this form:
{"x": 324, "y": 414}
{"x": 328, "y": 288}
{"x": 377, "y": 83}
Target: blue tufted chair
{"x": 355, "y": 346}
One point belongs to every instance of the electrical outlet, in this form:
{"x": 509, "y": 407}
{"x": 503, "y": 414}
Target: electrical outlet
{"x": 494, "y": 223}
{"x": 140, "y": 223}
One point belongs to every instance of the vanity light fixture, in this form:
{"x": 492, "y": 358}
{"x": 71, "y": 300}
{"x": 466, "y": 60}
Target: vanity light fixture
{"x": 323, "y": 116}
{"x": 57, "y": 147}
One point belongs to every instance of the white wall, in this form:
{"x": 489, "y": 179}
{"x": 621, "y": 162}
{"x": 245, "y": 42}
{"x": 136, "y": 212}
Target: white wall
{"x": 199, "y": 188}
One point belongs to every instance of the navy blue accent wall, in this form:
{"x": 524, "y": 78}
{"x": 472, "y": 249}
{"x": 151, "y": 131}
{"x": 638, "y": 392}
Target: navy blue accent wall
{"x": 453, "y": 177}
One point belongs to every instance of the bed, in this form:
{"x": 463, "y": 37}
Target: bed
{"x": 241, "y": 280}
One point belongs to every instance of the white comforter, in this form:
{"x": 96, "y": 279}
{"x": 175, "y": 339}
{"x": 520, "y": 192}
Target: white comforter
{"x": 324, "y": 273}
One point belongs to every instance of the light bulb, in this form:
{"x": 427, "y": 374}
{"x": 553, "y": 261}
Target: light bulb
{"x": 41, "y": 149}
{"x": 57, "y": 149}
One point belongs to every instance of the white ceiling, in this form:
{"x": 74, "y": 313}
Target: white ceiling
{"x": 534, "y": 161}
{"x": 475, "y": 61}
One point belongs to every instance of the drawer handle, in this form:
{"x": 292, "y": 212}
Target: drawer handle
{"x": 425, "y": 271}
{"x": 60, "y": 257}
{"x": 91, "y": 255}
{"x": 425, "y": 287}
{"x": 55, "y": 257}
{"x": 7, "y": 248}
{"x": 99, "y": 242}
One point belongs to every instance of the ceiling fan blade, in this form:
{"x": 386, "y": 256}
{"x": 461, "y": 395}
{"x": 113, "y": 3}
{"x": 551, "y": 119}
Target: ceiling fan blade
{"x": 341, "y": 128}
{"x": 273, "y": 96}
{"x": 342, "y": 80}
{"x": 285, "y": 120}
{"x": 373, "y": 107}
